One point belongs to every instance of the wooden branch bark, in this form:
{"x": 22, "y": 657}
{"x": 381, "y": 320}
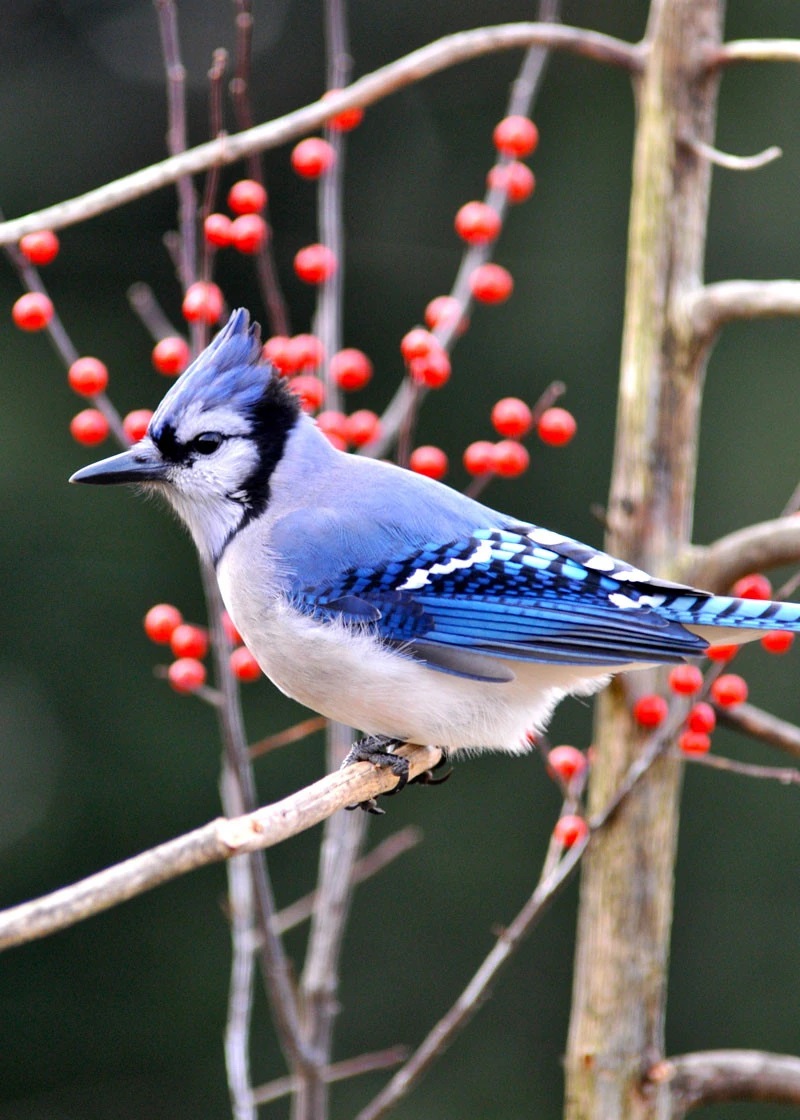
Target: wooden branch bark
{"x": 712, "y": 1076}
{"x": 756, "y": 548}
{"x": 216, "y": 841}
{"x": 714, "y": 305}
{"x": 616, "y": 1028}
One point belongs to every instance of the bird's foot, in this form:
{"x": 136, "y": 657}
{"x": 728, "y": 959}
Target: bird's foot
{"x": 378, "y": 749}
{"x": 426, "y": 778}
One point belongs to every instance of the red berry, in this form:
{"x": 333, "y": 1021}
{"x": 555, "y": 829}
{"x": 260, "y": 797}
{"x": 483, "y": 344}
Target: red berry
{"x": 333, "y": 423}
{"x": 754, "y": 586}
{"x": 89, "y": 427}
{"x": 686, "y": 680}
{"x": 243, "y": 665}
{"x": 556, "y": 427}
{"x": 310, "y": 389}
{"x": 247, "y": 197}
{"x": 491, "y": 283}
{"x": 171, "y": 355}
{"x": 278, "y": 351}
{"x": 231, "y": 633}
{"x": 476, "y": 223}
{"x": 512, "y": 417}
{"x": 189, "y": 641}
{"x": 515, "y": 179}
{"x": 135, "y": 423}
{"x": 351, "y": 369}
{"x": 650, "y": 710}
{"x": 515, "y": 136}
{"x": 305, "y": 352}
{"x": 510, "y": 458}
{"x": 347, "y": 120}
{"x": 160, "y": 622}
{"x": 428, "y": 460}
{"x": 570, "y": 829}
{"x": 33, "y": 311}
{"x": 566, "y": 762}
{"x": 444, "y": 312}
{"x": 186, "y": 674}
{"x": 432, "y": 369}
{"x": 417, "y": 343}
{"x": 479, "y": 457}
{"x": 249, "y": 232}
{"x": 729, "y": 689}
{"x": 363, "y": 427}
{"x": 722, "y": 653}
{"x": 217, "y": 230}
{"x": 88, "y": 376}
{"x": 702, "y": 717}
{"x": 203, "y": 302}
{"x": 312, "y": 157}
{"x": 40, "y": 247}
{"x": 315, "y": 264}
{"x": 694, "y": 742}
{"x": 777, "y": 641}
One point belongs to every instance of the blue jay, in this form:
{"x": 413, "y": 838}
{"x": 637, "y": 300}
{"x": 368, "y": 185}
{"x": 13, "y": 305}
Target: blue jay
{"x": 388, "y": 601}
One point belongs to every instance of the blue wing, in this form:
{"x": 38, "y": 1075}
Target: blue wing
{"x": 511, "y": 594}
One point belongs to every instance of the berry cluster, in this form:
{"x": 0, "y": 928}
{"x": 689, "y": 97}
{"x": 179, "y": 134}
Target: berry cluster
{"x": 164, "y": 625}
{"x": 247, "y": 231}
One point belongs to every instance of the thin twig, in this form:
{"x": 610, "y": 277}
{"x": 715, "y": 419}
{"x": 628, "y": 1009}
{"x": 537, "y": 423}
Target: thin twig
{"x": 399, "y": 417}
{"x": 559, "y": 870}
{"x": 216, "y": 123}
{"x": 266, "y": 268}
{"x": 290, "y": 735}
{"x": 785, "y": 775}
{"x": 755, "y": 50}
{"x": 731, "y": 162}
{"x": 143, "y": 302}
{"x": 339, "y": 1071}
{"x": 761, "y": 725}
{"x": 431, "y": 59}
{"x": 365, "y": 868}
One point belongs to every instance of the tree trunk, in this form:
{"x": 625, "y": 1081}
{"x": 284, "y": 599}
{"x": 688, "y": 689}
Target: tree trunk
{"x": 617, "y": 1024}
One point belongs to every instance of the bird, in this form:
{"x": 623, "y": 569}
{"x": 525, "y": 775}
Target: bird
{"x": 386, "y": 600}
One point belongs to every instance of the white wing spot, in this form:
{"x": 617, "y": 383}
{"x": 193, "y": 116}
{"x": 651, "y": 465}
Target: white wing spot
{"x": 545, "y": 537}
{"x": 600, "y": 563}
{"x": 625, "y": 603}
{"x": 419, "y": 578}
{"x": 634, "y": 575}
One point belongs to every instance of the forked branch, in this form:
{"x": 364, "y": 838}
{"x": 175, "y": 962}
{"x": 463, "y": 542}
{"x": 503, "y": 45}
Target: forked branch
{"x": 714, "y": 305}
{"x": 768, "y": 544}
{"x": 712, "y": 1076}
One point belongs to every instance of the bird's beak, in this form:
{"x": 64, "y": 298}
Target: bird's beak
{"x": 140, "y": 463}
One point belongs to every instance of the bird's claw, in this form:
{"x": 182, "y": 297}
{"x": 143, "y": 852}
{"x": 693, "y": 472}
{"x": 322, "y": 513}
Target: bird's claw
{"x": 376, "y": 749}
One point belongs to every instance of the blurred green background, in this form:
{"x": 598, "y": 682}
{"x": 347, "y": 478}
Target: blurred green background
{"x": 123, "y": 1015}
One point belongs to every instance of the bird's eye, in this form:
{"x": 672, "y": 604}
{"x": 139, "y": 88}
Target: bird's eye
{"x": 206, "y": 443}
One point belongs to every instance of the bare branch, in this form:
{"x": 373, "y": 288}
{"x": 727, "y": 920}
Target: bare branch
{"x": 339, "y": 1071}
{"x": 439, "y": 55}
{"x": 370, "y": 864}
{"x": 786, "y": 775}
{"x": 756, "y": 548}
{"x": 731, "y": 162}
{"x": 762, "y": 725}
{"x": 556, "y": 874}
{"x": 714, "y": 305}
{"x": 710, "y": 1076}
{"x": 214, "y": 842}
{"x": 756, "y": 50}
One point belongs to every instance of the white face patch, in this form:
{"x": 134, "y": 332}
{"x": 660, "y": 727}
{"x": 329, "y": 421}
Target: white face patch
{"x": 419, "y": 578}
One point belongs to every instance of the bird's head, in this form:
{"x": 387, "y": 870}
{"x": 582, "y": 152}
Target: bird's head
{"x": 215, "y": 439}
